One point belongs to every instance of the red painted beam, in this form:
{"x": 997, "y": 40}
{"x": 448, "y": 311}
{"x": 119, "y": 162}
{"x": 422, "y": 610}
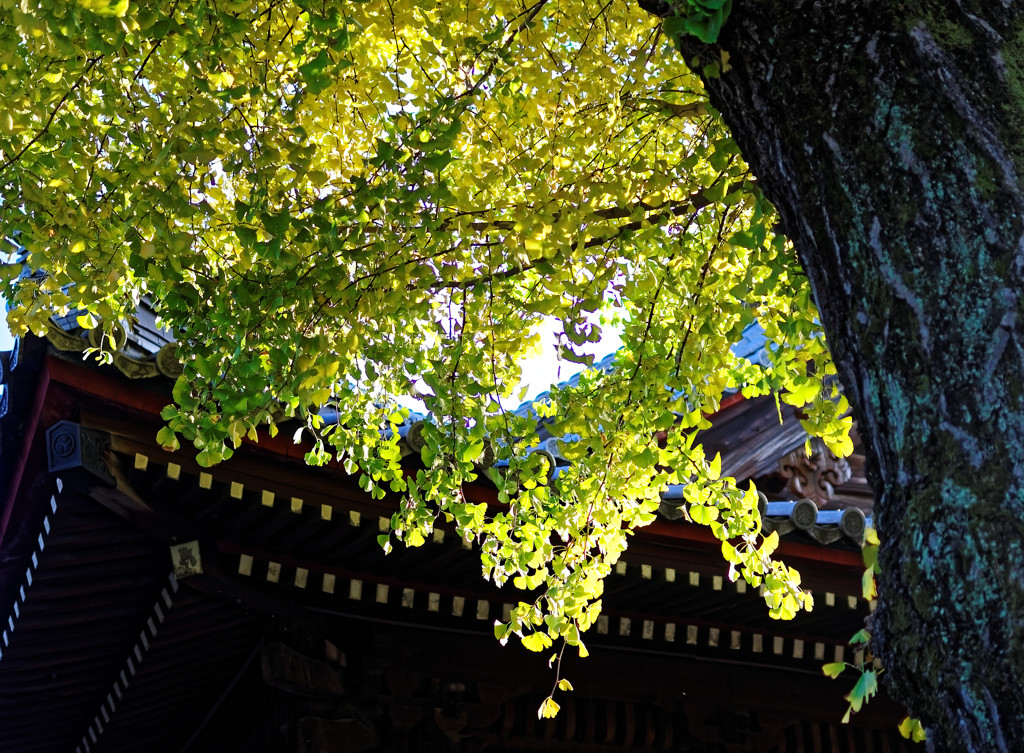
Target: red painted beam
{"x": 789, "y": 551}
{"x": 88, "y": 380}
{"x": 91, "y": 382}
{"x": 30, "y": 432}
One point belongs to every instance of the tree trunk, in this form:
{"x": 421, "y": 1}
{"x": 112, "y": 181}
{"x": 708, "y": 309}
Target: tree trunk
{"x": 889, "y": 135}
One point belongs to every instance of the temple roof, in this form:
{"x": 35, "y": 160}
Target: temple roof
{"x": 151, "y": 604}
{"x": 754, "y": 444}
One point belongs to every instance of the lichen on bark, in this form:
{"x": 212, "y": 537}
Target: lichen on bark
{"x": 890, "y": 136}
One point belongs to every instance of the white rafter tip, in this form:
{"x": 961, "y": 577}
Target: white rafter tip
{"x": 273, "y": 572}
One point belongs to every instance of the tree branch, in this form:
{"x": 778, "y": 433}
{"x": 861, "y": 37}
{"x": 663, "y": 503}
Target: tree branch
{"x": 57, "y": 109}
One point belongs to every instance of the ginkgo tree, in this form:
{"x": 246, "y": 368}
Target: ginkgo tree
{"x": 331, "y": 202}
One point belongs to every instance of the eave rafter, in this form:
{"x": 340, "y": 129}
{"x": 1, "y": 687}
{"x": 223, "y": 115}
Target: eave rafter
{"x": 271, "y": 572}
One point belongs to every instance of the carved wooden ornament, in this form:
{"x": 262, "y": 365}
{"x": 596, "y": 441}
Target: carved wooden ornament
{"x": 814, "y": 476}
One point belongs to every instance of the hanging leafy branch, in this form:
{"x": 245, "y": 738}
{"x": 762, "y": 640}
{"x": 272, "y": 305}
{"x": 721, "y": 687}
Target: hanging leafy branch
{"x": 334, "y": 203}
{"x": 699, "y": 18}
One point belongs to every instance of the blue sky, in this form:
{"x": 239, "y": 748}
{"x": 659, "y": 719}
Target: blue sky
{"x": 6, "y": 341}
{"x": 544, "y": 369}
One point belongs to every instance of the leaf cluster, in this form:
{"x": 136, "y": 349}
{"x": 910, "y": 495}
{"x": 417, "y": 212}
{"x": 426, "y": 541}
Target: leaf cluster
{"x": 700, "y": 18}
{"x": 335, "y": 204}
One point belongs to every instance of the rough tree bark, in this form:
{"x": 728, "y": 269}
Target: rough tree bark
{"x": 889, "y": 135}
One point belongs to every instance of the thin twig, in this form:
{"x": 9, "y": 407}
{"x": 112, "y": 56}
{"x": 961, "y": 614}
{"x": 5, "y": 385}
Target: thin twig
{"x": 57, "y": 109}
